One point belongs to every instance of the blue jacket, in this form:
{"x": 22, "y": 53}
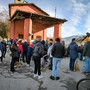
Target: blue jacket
{"x": 29, "y": 52}
{"x": 73, "y": 50}
{"x": 19, "y": 51}
{"x": 0, "y": 46}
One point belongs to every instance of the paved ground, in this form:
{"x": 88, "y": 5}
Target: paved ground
{"x": 23, "y": 78}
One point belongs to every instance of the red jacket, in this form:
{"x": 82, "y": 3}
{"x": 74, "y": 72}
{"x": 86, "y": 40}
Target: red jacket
{"x": 20, "y": 47}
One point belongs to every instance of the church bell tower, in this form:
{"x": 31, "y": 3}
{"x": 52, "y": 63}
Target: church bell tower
{"x": 18, "y": 1}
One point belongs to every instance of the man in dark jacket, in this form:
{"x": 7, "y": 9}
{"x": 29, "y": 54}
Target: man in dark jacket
{"x": 73, "y": 52}
{"x": 37, "y": 58}
{"x": 58, "y": 51}
{"x": 25, "y": 49}
{"x": 29, "y": 53}
{"x": 86, "y": 53}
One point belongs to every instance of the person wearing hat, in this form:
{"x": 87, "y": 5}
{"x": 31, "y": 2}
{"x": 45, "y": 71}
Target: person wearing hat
{"x": 86, "y": 54}
{"x": 14, "y": 55}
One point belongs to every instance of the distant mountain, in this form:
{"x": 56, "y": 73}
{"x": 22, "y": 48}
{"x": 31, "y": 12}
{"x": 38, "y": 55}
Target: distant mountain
{"x": 69, "y": 39}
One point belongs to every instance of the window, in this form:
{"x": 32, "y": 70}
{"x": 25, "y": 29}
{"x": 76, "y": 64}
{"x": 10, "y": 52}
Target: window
{"x": 20, "y": 36}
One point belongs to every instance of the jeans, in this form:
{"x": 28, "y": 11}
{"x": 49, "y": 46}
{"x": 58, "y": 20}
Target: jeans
{"x": 72, "y": 62}
{"x": 56, "y": 66}
{"x": 87, "y": 64}
{"x": 80, "y": 56}
{"x": 37, "y": 65}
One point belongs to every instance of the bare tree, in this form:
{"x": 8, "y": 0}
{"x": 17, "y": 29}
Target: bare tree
{"x": 4, "y": 23}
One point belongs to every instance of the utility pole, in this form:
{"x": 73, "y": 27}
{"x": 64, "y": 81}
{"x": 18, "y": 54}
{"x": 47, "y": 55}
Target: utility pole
{"x": 55, "y": 11}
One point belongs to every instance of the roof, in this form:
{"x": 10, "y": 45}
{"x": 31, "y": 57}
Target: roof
{"x": 23, "y": 14}
{"x": 21, "y": 4}
{"x": 42, "y": 20}
{"x": 80, "y": 39}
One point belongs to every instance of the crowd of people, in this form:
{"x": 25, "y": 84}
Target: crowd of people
{"x": 44, "y": 51}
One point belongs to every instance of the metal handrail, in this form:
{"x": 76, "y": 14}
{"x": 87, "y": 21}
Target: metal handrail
{"x": 81, "y": 81}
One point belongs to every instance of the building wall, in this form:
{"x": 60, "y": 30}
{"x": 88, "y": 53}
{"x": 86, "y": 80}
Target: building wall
{"x": 19, "y": 27}
{"x": 38, "y": 34}
{"x": 16, "y": 28}
{"x": 42, "y": 34}
{"x": 27, "y": 8}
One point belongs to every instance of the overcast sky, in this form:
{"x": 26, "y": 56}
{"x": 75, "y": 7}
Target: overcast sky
{"x": 77, "y": 12}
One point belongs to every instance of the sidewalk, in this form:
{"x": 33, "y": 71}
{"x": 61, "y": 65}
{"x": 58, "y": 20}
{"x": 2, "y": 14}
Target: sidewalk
{"x": 23, "y": 78}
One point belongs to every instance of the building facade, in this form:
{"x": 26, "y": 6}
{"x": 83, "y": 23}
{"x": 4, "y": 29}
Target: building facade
{"x": 28, "y": 21}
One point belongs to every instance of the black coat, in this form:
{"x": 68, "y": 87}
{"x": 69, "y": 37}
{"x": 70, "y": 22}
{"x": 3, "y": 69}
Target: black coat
{"x": 58, "y": 50}
{"x": 25, "y": 47}
{"x": 86, "y": 49}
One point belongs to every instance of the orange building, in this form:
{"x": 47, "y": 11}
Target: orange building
{"x": 29, "y": 22}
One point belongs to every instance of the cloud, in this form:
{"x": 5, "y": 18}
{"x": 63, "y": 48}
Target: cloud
{"x": 51, "y": 11}
{"x": 87, "y": 22}
{"x": 88, "y": 30}
{"x": 78, "y": 10}
{"x": 69, "y": 30}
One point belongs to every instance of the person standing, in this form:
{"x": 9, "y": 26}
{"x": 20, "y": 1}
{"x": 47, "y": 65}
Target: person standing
{"x": 80, "y": 52}
{"x": 73, "y": 52}
{"x": 1, "y": 56}
{"x": 29, "y": 53}
{"x": 37, "y": 59}
{"x": 49, "y": 53}
{"x": 58, "y": 52}
{"x": 20, "y": 47}
{"x": 25, "y": 49}
{"x": 14, "y": 54}
{"x": 86, "y": 54}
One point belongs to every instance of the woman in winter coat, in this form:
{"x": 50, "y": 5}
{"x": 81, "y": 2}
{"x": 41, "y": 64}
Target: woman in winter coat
{"x": 37, "y": 59}
{"x": 14, "y": 54}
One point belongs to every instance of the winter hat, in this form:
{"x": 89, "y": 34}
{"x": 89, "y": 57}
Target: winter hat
{"x": 46, "y": 41}
{"x": 14, "y": 41}
{"x": 86, "y": 39}
{"x": 25, "y": 40}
